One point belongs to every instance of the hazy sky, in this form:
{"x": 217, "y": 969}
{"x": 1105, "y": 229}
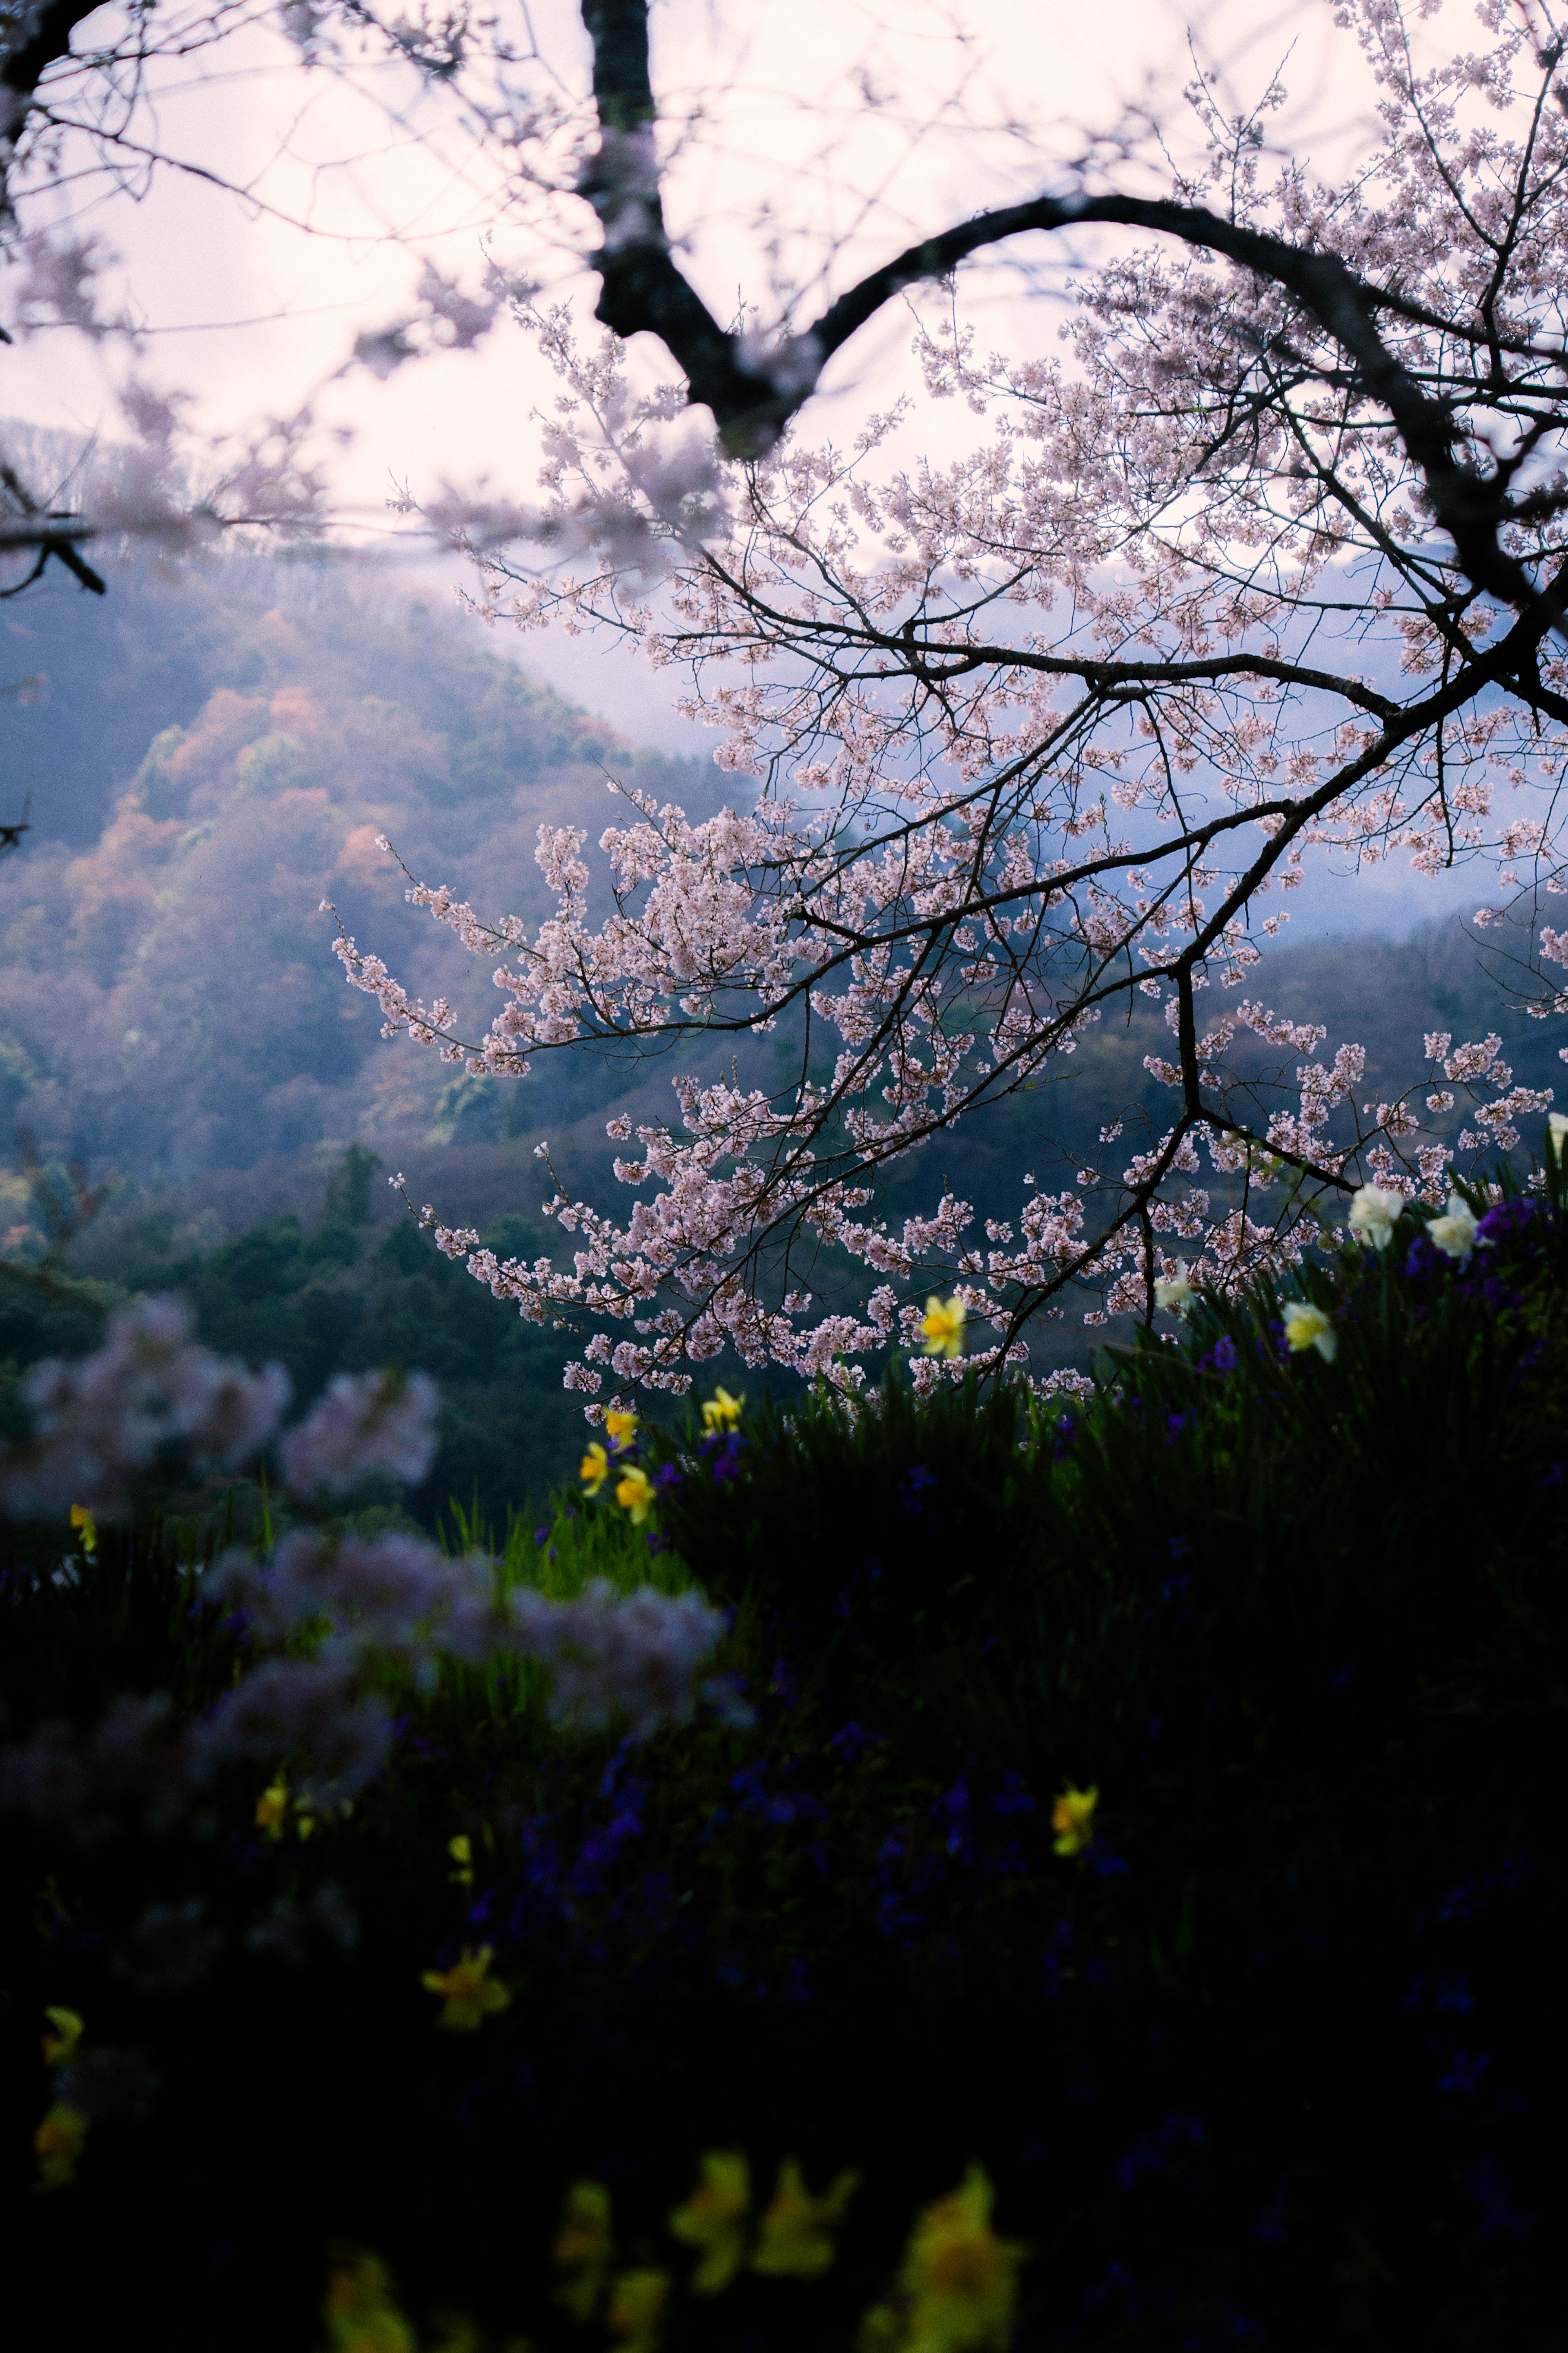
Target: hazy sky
{"x": 1005, "y": 101}
{"x": 354, "y": 184}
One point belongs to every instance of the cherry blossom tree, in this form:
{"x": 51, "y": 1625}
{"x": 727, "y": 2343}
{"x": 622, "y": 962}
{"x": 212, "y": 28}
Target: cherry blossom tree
{"x": 1268, "y": 558}
{"x": 1264, "y": 558}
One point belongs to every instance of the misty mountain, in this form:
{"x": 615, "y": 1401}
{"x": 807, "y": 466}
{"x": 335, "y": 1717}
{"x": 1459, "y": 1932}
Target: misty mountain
{"x": 216, "y": 753}
{"x": 213, "y": 759}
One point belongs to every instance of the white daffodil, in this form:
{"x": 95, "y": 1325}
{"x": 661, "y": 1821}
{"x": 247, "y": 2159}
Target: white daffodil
{"x": 1172, "y": 1293}
{"x": 1454, "y": 1235}
{"x": 1374, "y": 1213}
{"x": 1307, "y": 1326}
{"x": 1557, "y": 1130}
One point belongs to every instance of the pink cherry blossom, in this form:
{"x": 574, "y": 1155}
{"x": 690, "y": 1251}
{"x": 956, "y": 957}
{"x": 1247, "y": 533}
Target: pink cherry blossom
{"x": 1044, "y": 737}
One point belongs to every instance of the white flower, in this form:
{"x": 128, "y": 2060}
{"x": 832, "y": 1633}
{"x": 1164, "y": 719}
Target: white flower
{"x": 1374, "y": 1213}
{"x": 1307, "y": 1326}
{"x": 1173, "y": 1294}
{"x": 1556, "y": 1129}
{"x": 1454, "y": 1235}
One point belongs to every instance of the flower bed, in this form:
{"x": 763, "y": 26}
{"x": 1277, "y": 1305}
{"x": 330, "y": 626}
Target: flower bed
{"x": 913, "y": 1875}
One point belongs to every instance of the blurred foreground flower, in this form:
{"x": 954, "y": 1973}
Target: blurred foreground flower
{"x": 622, "y": 1427}
{"x": 722, "y": 1410}
{"x": 60, "y": 2047}
{"x": 364, "y": 1422}
{"x": 273, "y": 1809}
{"x": 637, "y": 1653}
{"x": 1455, "y": 1234}
{"x": 362, "y": 2313}
{"x": 594, "y": 1469}
{"x": 58, "y": 2141}
{"x": 470, "y": 1993}
{"x": 1173, "y": 1294}
{"x": 1307, "y": 1326}
{"x": 634, "y": 1493}
{"x": 1375, "y": 1210}
{"x": 941, "y": 1327}
{"x": 958, "y": 2286}
{"x": 794, "y": 2241}
{"x": 635, "y": 2316}
{"x": 713, "y": 2219}
{"x": 585, "y": 2247}
{"x": 1072, "y": 1819}
{"x": 97, "y": 1418}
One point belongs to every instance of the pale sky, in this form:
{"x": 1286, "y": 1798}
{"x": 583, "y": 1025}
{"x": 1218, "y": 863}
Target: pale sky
{"x": 813, "y": 109}
{"x": 789, "y": 126}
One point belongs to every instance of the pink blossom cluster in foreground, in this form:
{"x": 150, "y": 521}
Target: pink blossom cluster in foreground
{"x": 98, "y": 1419}
{"x": 635, "y": 1658}
{"x": 1035, "y": 743}
{"x": 364, "y": 1422}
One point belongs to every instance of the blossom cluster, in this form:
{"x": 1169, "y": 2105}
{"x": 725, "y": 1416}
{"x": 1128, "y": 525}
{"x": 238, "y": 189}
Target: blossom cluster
{"x": 98, "y": 1419}
{"x": 1052, "y": 729}
{"x": 357, "y": 1602}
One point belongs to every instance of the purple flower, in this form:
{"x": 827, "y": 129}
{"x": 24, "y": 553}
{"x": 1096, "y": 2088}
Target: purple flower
{"x": 913, "y": 1485}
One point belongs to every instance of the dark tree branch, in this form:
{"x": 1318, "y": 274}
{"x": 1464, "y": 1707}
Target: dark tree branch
{"x": 644, "y": 290}
{"x": 36, "y": 39}
{"x": 50, "y": 534}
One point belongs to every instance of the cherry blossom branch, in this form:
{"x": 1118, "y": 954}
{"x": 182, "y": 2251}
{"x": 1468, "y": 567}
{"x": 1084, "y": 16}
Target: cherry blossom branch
{"x": 642, "y": 289}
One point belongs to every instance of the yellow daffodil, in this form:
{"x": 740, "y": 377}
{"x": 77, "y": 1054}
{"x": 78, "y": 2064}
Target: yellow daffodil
{"x": 60, "y": 2047}
{"x": 635, "y": 2316}
{"x": 714, "y": 2219}
{"x": 596, "y": 1468}
{"x": 273, "y": 1809}
{"x": 362, "y": 2313}
{"x": 83, "y": 1519}
{"x": 585, "y": 2246}
{"x": 59, "y": 2141}
{"x": 959, "y": 2278}
{"x": 620, "y": 1426}
{"x": 941, "y": 1327}
{"x": 461, "y": 1850}
{"x": 634, "y": 1493}
{"x": 794, "y": 2240}
{"x": 1307, "y": 1326}
{"x": 468, "y": 1990}
{"x": 721, "y": 1412}
{"x": 1072, "y": 1819}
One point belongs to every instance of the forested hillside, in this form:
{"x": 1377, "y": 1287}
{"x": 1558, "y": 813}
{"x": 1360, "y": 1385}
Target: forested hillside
{"x": 210, "y": 758}
{"x": 209, "y": 764}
